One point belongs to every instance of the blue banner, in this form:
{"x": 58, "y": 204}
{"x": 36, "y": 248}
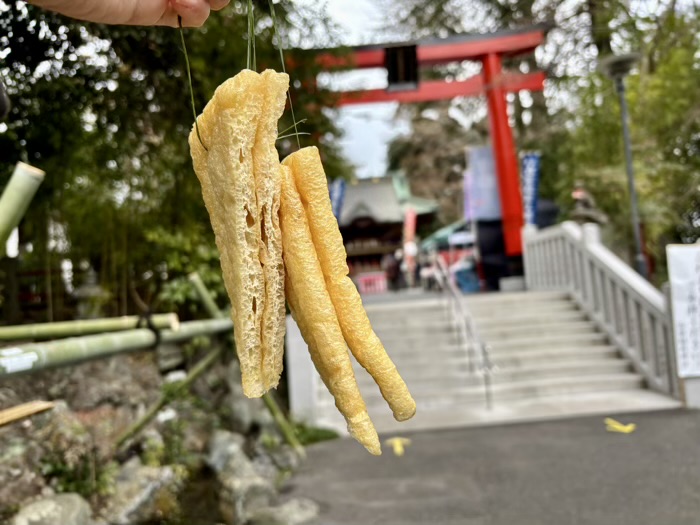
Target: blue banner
{"x": 529, "y": 180}
{"x": 337, "y": 193}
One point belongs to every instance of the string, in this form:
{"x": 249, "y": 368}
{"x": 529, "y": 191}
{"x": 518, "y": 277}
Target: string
{"x": 284, "y": 70}
{"x": 290, "y": 127}
{"x": 293, "y": 135}
{"x": 251, "y": 62}
{"x": 189, "y": 80}
{"x": 252, "y": 33}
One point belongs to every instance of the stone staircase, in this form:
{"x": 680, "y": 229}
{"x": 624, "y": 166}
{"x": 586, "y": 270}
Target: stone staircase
{"x": 549, "y": 361}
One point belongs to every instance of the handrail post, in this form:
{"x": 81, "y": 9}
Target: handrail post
{"x": 528, "y": 234}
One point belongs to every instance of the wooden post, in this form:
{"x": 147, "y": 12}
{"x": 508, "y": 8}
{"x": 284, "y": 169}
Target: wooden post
{"x": 504, "y": 154}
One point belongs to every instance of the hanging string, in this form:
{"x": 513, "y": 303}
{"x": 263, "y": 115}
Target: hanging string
{"x": 290, "y": 127}
{"x": 251, "y": 62}
{"x": 284, "y": 70}
{"x": 189, "y": 80}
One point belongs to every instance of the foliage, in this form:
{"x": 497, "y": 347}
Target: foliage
{"x": 576, "y": 122}
{"x": 309, "y": 435}
{"x": 433, "y": 158}
{"x": 104, "y": 110}
{"x": 88, "y": 477}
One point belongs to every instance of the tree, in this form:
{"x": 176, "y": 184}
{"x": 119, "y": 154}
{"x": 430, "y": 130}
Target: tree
{"x": 105, "y": 110}
{"x": 576, "y": 123}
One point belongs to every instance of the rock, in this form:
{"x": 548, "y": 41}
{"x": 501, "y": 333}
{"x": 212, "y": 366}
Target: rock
{"x": 144, "y": 494}
{"x": 242, "y": 411}
{"x": 130, "y": 380}
{"x": 264, "y": 466}
{"x": 64, "y": 509}
{"x": 273, "y": 460}
{"x": 169, "y": 356}
{"x": 51, "y": 448}
{"x": 293, "y": 512}
{"x": 285, "y": 457}
{"x": 20, "y": 477}
{"x": 243, "y": 491}
{"x": 62, "y": 435}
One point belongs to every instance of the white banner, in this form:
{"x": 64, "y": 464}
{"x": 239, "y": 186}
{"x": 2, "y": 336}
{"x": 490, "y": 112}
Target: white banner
{"x": 684, "y": 275}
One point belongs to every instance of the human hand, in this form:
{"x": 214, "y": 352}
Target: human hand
{"x": 136, "y": 12}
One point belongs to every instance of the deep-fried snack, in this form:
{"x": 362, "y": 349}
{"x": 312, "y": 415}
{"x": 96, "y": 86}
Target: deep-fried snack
{"x": 268, "y": 185}
{"x": 364, "y": 344}
{"x": 229, "y": 129}
{"x": 314, "y": 312}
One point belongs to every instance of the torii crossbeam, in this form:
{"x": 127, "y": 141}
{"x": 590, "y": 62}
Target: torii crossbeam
{"x": 489, "y": 49}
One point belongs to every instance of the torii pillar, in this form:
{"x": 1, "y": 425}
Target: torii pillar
{"x": 403, "y": 62}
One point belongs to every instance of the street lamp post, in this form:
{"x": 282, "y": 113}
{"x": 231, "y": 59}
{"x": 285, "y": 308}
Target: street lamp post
{"x": 617, "y": 67}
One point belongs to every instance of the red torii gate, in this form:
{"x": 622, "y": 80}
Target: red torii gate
{"x": 489, "y": 49}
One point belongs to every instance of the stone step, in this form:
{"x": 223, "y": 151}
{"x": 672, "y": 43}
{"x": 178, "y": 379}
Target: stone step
{"x": 443, "y": 355}
{"x": 456, "y": 357}
{"x": 541, "y": 330}
{"x": 422, "y": 342}
{"x": 525, "y": 344}
{"x": 433, "y": 378}
{"x": 513, "y": 309}
{"x": 530, "y": 318}
{"x": 435, "y": 315}
{"x": 508, "y": 374}
{"x": 417, "y": 328}
{"x": 426, "y": 351}
{"x": 499, "y": 298}
{"x": 409, "y": 307}
{"x": 426, "y": 318}
{"x": 440, "y": 307}
{"x": 606, "y": 403}
{"x": 440, "y": 397}
{"x": 555, "y": 355}
{"x": 506, "y": 324}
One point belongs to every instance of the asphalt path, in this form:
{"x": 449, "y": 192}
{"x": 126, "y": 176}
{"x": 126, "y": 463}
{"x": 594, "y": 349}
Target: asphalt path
{"x": 566, "y": 472}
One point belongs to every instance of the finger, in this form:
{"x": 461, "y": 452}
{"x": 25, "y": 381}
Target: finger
{"x": 217, "y": 5}
{"x": 193, "y": 12}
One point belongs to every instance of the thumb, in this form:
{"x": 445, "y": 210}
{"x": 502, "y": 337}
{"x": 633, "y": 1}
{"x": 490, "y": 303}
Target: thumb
{"x": 193, "y": 12}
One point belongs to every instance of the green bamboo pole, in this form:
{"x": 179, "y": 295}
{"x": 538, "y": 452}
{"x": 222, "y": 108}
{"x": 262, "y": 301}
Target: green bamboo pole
{"x": 33, "y": 357}
{"x": 16, "y": 197}
{"x": 270, "y": 402}
{"x": 283, "y": 423}
{"x": 84, "y": 327}
{"x": 205, "y": 296}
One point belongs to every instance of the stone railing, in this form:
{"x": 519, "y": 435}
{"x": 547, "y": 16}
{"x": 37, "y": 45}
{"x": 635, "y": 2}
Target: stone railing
{"x": 633, "y": 314}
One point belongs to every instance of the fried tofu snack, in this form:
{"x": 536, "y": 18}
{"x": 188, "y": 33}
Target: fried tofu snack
{"x": 239, "y": 174}
{"x": 314, "y": 313}
{"x": 310, "y": 179}
{"x": 278, "y": 238}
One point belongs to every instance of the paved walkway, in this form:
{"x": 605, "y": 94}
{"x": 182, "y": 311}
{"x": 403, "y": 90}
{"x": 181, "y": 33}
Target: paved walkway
{"x": 570, "y": 472}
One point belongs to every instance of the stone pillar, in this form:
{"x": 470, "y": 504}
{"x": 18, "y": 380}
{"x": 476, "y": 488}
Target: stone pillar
{"x": 301, "y": 375}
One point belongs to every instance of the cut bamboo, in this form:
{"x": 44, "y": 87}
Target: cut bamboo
{"x": 205, "y": 296}
{"x": 85, "y": 327}
{"x": 16, "y": 197}
{"x": 10, "y": 415}
{"x": 32, "y": 357}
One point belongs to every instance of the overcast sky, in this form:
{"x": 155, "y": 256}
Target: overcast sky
{"x": 368, "y": 128}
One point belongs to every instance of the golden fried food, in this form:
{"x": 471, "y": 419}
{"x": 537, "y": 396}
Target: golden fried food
{"x": 229, "y": 127}
{"x": 314, "y": 312}
{"x": 364, "y": 344}
{"x": 268, "y": 184}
